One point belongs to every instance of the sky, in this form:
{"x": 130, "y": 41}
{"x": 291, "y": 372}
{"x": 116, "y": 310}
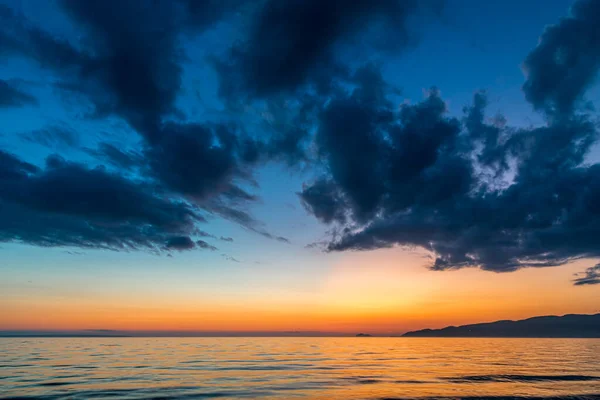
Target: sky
{"x": 297, "y": 166}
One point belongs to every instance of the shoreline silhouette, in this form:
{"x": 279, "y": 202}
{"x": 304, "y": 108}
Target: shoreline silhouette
{"x": 566, "y": 326}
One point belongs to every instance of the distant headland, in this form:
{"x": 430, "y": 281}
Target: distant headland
{"x": 566, "y": 326}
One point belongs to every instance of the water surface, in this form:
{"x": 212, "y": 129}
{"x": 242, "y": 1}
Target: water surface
{"x": 287, "y": 368}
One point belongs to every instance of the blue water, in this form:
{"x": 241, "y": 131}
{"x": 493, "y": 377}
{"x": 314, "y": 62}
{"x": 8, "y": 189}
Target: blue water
{"x": 309, "y": 368}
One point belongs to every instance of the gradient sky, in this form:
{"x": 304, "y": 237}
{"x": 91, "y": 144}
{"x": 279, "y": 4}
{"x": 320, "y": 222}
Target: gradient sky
{"x": 287, "y": 166}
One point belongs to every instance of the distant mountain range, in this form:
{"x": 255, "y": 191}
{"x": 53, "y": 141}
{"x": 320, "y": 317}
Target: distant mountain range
{"x": 567, "y": 326}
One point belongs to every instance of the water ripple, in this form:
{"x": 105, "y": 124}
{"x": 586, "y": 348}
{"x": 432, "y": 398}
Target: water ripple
{"x": 286, "y": 368}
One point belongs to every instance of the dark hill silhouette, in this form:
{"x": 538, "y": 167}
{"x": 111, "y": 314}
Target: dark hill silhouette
{"x": 567, "y": 326}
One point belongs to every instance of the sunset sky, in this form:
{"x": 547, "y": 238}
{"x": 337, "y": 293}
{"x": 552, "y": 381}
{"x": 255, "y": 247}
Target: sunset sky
{"x": 271, "y": 166}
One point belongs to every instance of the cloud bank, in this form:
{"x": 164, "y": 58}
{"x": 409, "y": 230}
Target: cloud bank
{"x": 471, "y": 190}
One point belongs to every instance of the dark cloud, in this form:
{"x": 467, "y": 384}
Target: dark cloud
{"x": 202, "y": 14}
{"x": 141, "y": 63}
{"x": 68, "y": 204}
{"x": 281, "y": 239}
{"x": 203, "y": 245}
{"x": 591, "y": 277}
{"x": 12, "y": 168}
{"x": 130, "y": 61}
{"x": 197, "y": 160}
{"x": 244, "y": 219}
{"x": 230, "y": 258}
{"x": 127, "y": 63}
{"x": 13, "y": 97}
{"x": 226, "y": 239}
{"x": 75, "y": 253}
{"x": 18, "y": 37}
{"x": 203, "y": 163}
{"x": 472, "y": 192}
{"x": 376, "y": 155}
{"x": 53, "y": 137}
{"x": 299, "y": 42}
{"x": 183, "y": 243}
{"x": 349, "y": 140}
{"x": 289, "y": 123}
{"x": 123, "y": 159}
{"x": 132, "y": 69}
{"x": 180, "y": 243}
{"x": 323, "y": 199}
{"x": 566, "y": 61}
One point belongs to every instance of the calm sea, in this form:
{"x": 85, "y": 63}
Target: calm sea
{"x": 287, "y": 368}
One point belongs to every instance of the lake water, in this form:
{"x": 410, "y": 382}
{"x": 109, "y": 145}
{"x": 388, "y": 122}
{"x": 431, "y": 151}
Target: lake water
{"x": 288, "y": 368}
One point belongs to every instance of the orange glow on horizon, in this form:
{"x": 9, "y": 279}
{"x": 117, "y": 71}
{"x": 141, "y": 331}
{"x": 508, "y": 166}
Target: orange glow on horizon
{"x": 387, "y": 291}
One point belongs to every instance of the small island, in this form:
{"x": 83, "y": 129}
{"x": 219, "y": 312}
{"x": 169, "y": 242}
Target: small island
{"x": 363, "y": 335}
